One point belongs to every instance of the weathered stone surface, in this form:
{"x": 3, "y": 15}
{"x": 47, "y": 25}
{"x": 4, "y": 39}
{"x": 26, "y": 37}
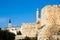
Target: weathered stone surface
{"x": 51, "y": 20}
{"x": 30, "y": 30}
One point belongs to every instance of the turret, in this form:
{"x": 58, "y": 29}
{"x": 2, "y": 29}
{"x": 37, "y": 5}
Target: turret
{"x": 9, "y": 24}
{"x": 37, "y": 16}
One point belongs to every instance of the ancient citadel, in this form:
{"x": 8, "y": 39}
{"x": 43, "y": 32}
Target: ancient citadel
{"x": 46, "y": 28}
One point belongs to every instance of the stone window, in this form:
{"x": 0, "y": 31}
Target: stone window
{"x": 19, "y": 33}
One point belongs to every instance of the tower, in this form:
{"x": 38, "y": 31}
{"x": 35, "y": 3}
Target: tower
{"x": 37, "y": 16}
{"x": 9, "y": 24}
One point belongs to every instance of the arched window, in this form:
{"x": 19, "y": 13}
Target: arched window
{"x": 19, "y": 33}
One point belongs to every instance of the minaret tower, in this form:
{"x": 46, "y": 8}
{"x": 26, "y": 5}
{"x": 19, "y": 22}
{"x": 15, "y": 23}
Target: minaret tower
{"x": 37, "y": 16}
{"x": 9, "y": 24}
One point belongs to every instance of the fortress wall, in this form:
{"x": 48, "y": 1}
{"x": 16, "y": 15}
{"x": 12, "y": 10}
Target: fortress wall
{"x": 50, "y": 18}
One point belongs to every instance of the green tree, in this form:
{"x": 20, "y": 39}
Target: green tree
{"x": 5, "y": 35}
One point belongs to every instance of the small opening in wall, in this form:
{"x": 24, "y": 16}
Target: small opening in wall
{"x": 19, "y": 33}
{"x": 59, "y": 30}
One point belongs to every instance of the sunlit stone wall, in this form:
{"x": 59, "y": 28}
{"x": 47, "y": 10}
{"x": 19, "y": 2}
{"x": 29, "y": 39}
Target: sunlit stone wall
{"x": 51, "y": 20}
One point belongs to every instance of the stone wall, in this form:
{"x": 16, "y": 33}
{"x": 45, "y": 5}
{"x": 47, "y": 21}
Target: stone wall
{"x": 51, "y": 20}
{"x": 29, "y": 30}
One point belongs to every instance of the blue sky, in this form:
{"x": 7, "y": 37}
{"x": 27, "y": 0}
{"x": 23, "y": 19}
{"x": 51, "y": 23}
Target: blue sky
{"x": 20, "y": 11}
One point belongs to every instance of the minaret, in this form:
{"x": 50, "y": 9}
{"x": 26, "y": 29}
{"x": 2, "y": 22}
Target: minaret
{"x": 9, "y": 24}
{"x": 37, "y": 16}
